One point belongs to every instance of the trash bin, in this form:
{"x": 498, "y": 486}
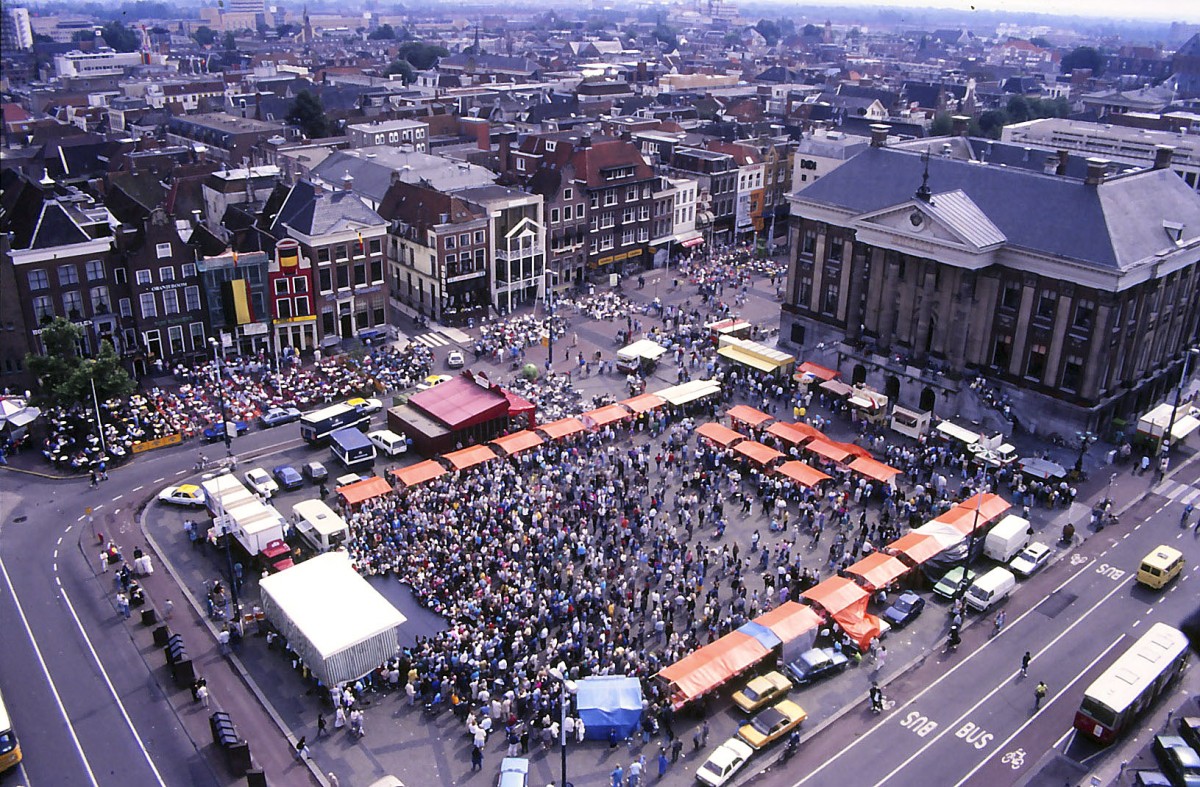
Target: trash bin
{"x": 161, "y": 635}
{"x": 149, "y": 617}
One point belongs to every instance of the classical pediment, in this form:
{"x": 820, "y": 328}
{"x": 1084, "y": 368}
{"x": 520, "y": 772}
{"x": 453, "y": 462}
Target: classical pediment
{"x": 950, "y": 219}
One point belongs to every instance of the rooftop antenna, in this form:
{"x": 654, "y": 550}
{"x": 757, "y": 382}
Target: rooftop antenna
{"x": 923, "y": 193}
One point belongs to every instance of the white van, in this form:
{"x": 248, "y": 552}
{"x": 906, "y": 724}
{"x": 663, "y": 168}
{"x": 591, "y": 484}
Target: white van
{"x": 990, "y": 588}
{"x": 1006, "y": 538}
{"x": 388, "y": 442}
{"x": 319, "y": 525}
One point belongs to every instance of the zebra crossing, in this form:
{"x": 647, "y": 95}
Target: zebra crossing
{"x": 1178, "y": 492}
{"x": 432, "y": 339}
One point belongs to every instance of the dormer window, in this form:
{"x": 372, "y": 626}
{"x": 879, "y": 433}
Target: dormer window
{"x": 1174, "y": 231}
{"x": 551, "y": 145}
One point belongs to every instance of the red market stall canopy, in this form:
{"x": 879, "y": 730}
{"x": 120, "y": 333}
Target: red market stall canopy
{"x": 721, "y": 435}
{"x": 878, "y": 570}
{"x": 419, "y": 473}
{"x": 748, "y": 415}
{"x": 859, "y": 625}
{"x": 835, "y": 595}
{"x": 916, "y": 548}
{"x": 827, "y": 450}
{"x": 469, "y": 457}
{"x": 460, "y": 403}
{"x": 990, "y": 506}
{"x": 872, "y": 468}
{"x": 789, "y": 620}
{"x": 816, "y": 370}
{"x": 517, "y": 442}
{"x": 605, "y": 415}
{"x": 788, "y": 433}
{"x": 561, "y": 428}
{"x": 712, "y": 665}
{"x": 644, "y": 402}
{"x": 366, "y": 489}
{"x": 802, "y": 473}
{"x": 757, "y": 452}
{"x": 520, "y": 407}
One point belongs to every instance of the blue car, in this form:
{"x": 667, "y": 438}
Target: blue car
{"x": 288, "y": 477}
{"x": 216, "y": 432}
{"x": 816, "y": 664}
{"x": 904, "y": 610}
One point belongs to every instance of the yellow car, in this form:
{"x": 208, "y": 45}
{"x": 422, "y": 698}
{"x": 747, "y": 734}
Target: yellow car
{"x": 772, "y": 724}
{"x": 432, "y": 380}
{"x": 762, "y": 690}
{"x": 183, "y": 495}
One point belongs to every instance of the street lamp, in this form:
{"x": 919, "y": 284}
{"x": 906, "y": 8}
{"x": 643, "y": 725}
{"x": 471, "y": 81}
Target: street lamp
{"x": 221, "y": 394}
{"x": 1085, "y": 440}
{"x": 569, "y": 687}
{"x": 1183, "y": 378}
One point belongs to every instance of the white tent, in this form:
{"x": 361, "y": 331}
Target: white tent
{"x": 341, "y": 626}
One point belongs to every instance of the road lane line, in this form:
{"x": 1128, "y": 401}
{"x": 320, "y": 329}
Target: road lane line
{"x": 112, "y": 690}
{"x": 159, "y": 480}
{"x": 138, "y": 488}
{"x": 118, "y": 497}
{"x": 931, "y": 686}
{"x": 87, "y": 766}
{"x": 59, "y": 543}
{"x": 1003, "y": 684}
{"x": 1000, "y": 746}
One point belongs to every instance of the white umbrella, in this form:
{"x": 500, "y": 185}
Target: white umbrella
{"x": 15, "y": 412}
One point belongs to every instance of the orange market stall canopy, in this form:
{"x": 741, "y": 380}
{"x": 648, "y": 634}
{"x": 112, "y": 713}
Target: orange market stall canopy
{"x": 748, "y": 415}
{"x": 469, "y": 457}
{"x": 757, "y": 452}
{"x": 366, "y": 489}
{"x": 604, "y": 416}
{"x": 835, "y": 594}
{"x": 419, "y": 473}
{"x": 788, "y": 433}
{"x": 644, "y": 402}
{"x": 517, "y": 442}
{"x": 874, "y": 469}
{"x": 878, "y": 570}
{"x": 801, "y": 473}
{"x": 915, "y": 548}
{"x": 990, "y": 506}
{"x": 707, "y": 668}
{"x": 822, "y": 373}
{"x": 556, "y": 430}
{"x": 796, "y": 626}
{"x": 827, "y": 450}
{"x": 721, "y": 435}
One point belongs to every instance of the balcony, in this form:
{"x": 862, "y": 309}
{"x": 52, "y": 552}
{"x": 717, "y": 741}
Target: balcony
{"x": 525, "y": 253}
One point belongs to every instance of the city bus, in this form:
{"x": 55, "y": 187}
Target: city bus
{"x": 10, "y": 749}
{"x": 1115, "y": 699}
{"x": 316, "y": 427}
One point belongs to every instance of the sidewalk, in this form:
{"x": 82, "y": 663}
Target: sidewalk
{"x": 230, "y": 688}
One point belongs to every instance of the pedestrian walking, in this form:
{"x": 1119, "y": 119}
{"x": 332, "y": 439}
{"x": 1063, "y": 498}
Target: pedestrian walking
{"x": 880, "y": 658}
{"x": 322, "y": 725}
{"x": 1025, "y": 663}
{"x": 333, "y": 779}
{"x": 302, "y": 752}
{"x": 476, "y": 759}
{"x": 202, "y": 694}
{"x": 1039, "y": 694}
{"x": 999, "y": 622}
{"x": 704, "y": 730}
{"x": 168, "y": 608}
{"x": 676, "y": 749}
{"x": 663, "y": 763}
{"x": 104, "y": 562}
{"x": 618, "y": 776}
{"x": 1187, "y": 512}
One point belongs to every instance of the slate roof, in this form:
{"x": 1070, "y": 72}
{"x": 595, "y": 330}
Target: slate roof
{"x": 957, "y": 211}
{"x": 1112, "y": 225}
{"x": 314, "y": 214}
{"x": 372, "y": 169}
{"x": 55, "y": 227}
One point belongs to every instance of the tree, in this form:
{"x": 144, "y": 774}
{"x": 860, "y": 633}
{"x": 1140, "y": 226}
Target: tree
{"x": 403, "y": 68}
{"x": 1083, "y": 57}
{"x": 667, "y": 36}
{"x": 942, "y": 125}
{"x": 120, "y": 37}
{"x": 1018, "y": 110}
{"x": 992, "y": 121}
{"x": 287, "y": 30}
{"x": 307, "y": 113}
{"x": 384, "y": 32}
{"x": 64, "y": 377}
{"x": 82, "y": 36}
{"x": 229, "y": 42}
{"x": 1041, "y": 42}
{"x": 422, "y": 56}
{"x": 768, "y": 29}
{"x": 205, "y": 35}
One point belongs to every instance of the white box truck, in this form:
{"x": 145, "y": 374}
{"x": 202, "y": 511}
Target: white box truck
{"x": 319, "y": 525}
{"x": 1006, "y": 538}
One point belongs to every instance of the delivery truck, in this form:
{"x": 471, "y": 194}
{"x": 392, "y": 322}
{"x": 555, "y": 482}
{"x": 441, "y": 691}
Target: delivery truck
{"x": 258, "y": 530}
{"x": 1006, "y": 538}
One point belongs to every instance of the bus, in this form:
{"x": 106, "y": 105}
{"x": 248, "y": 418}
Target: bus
{"x": 1132, "y": 683}
{"x": 10, "y": 749}
{"x": 316, "y": 427}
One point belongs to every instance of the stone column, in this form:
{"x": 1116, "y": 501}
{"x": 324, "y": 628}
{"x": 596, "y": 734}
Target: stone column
{"x": 875, "y": 290}
{"x": 888, "y": 303}
{"x": 1028, "y": 293}
{"x": 1097, "y": 350}
{"x": 818, "y": 274}
{"x": 850, "y": 291}
{"x": 1061, "y": 316}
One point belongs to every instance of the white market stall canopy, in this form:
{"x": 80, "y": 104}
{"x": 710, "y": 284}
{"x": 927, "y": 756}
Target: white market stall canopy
{"x": 956, "y": 432}
{"x": 689, "y": 391}
{"x": 1154, "y": 423}
{"x": 341, "y": 626}
{"x": 643, "y": 348}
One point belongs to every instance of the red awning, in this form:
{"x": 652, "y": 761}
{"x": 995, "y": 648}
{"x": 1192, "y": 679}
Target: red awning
{"x": 517, "y": 442}
{"x": 721, "y": 435}
{"x": 990, "y": 506}
{"x": 519, "y": 406}
{"x": 788, "y": 433}
{"x": 712, "y": 665}
{"x": 859, "y": 625}
{"x": 802, "y": 473}
{"x": 872, "y": 468}
{"x": 915, "y": 548}
{"x": 470, "y": 456}
{"x": 688, "y": 244}
{"x": 878, "y": 570}
{"x": 748, "y": 415}
{"x": 827, "y": 450}
{"x": 757, "y": 452}
{"x": 561, "y": 428}
{"x": 605, "y": 415}
{"x": 644, "y": 402}
{"x": 835, "y": 594}
{"x": 366, "y": 489}
{"x": 816, "y": 370}
{"x": 419, "y": 473}
{"x": 789, "y": 620}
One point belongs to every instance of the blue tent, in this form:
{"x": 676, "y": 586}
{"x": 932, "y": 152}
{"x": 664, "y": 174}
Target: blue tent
{"x": 609, "y": 702}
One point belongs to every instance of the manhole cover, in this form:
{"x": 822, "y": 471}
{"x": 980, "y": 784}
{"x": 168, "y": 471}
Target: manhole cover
{"x": 1056, "y": 603}
{"x": 20, "y": 519}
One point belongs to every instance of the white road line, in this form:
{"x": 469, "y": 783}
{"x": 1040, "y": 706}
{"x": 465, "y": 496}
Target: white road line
{"x": 59, "y": 541}
{"x": 113, "y": 691}
{"x": 159, "y": 480}
{"x": 97, "y": 508}
{"x": 137, "y": 488}
{"x": 931, "y": 686}
{"x": 180, "y": 472}
{"x": 68, "y": 530}
{"x": 118, "y": 497}
{"x": 953, "y": 725}
{"x": 46, "y": 671}
{"x": 1000, "y": 746}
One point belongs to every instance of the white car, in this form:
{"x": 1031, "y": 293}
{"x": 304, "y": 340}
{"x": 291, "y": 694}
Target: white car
{"x": 723, "y": 763}
{"x": 368, "y": 406}
{"x": 455, "y": 359}
{"x": 183, "y": 495}
{"x": 261, "y": 483}
{"x": 1030, "y": 559}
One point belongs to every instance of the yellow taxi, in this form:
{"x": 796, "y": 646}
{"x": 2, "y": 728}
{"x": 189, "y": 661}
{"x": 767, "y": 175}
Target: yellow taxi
{"x": 771, "y": 724}
{"x": 432, "y": 380}
{"x": 762, "y": 690}
{"x": 183, "y": 495}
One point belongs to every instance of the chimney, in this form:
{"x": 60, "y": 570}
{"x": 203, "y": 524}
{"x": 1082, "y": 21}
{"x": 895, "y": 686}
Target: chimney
{"x": 395, "y": 178}
{"x": 960, "y": 124}
{"x": 503, "y": 154}
{"x": 1063, "y": 159}
{"x": 1096, "y": 167}
{"x": 1051, "y": 164}
{"x": 626, "y": 135}
{"x": 585, "y": 141}
{"x": 642, "y": 74}
{"x": 879, "y": 134}
{"x": 348, "y": 181}
{"x": 1162, "y": 156}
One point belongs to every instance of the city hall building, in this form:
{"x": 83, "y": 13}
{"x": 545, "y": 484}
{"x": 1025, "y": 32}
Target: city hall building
{"x": 1077, "y": 296}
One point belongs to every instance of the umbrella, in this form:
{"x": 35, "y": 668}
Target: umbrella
{"x": 14, "y": 412}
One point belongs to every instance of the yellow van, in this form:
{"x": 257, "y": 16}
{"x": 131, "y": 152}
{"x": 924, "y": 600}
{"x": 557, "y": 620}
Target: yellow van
{"x": 1159, "y": 567}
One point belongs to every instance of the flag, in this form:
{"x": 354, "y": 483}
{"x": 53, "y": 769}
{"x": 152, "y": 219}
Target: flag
{"x": 235, "y": 258}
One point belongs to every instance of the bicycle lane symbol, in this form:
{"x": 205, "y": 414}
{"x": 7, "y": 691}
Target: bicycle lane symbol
{"x": 1014, "y": 759}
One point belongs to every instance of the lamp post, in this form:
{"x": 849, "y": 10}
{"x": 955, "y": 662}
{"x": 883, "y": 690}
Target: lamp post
{"x": 1187, "y": 363}
{"x": 569, "y": 687}
{"x": 1085, "y": 440}
{"x": 221, "y": 394}
{"x": 549, "y": 325}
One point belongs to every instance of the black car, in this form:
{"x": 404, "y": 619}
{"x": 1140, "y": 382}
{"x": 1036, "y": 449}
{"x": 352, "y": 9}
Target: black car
{"x": 277, "y": 416}
{"x": 1177, "y": 760}
{"x": 816, "y": 664}
{"x": 904, "y": 610}
{"x": 216, "y": 432}
{"x": 1189, "y": 730}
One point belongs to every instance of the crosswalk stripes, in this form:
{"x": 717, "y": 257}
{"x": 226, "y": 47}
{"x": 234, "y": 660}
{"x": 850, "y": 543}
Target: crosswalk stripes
{"x": 432, "y": 339}
{"x": 1180, "y": 493}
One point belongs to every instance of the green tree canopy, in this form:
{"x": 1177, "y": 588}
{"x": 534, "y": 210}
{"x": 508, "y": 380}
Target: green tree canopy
{"x": 1083, "y": 57}
{"x": 768, "y": 29}
{"x": 403, "y": 68}
{"x": 384, "y": 32}
{"x": 205, "y": 35}
{"x": 667, "y": 36}
{"x": 120, "y": 37}
{"x": 422, "y": 56}
{"x": 65, "y": 377}
{"x": 307, "y": 112}
{"x": 229, "y": 42}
